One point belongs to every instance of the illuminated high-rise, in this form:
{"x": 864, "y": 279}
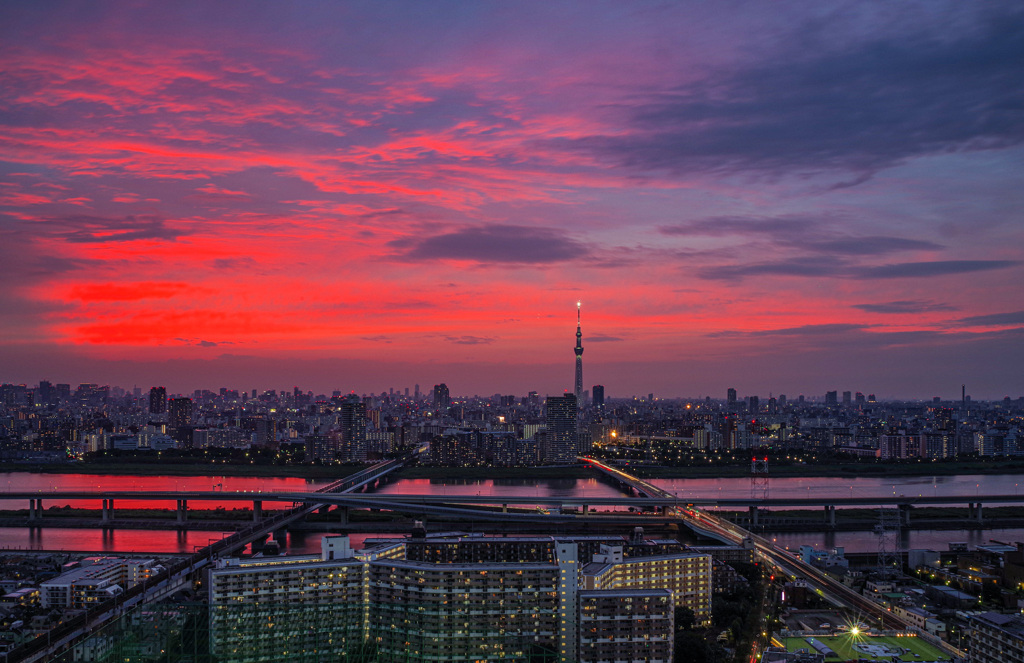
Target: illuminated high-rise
{"x": 352, "y": 430}
{"x": 158, "y": 400}
{"x": 562, "y": 426}
{"x": 179, "y": 412}
{"x": 442, "y": 398}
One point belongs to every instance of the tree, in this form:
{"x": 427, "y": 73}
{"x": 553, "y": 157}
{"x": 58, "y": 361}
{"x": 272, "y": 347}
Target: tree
{"x": 685, "y": 618}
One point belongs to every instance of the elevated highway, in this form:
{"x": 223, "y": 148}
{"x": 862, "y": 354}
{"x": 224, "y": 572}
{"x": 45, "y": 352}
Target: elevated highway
{"x": 766, "y": 550}
{"x": 179, "y": 575}
{"x": 661, "y": 500}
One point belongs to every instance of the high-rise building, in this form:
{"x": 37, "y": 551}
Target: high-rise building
{"x": 687, "y": 575}
{"x": 847, "y": 399}
{"x": 562, "y": 426}
{"x": 944, "y": 419}
{"x": 442, "y": 399}
{"x": 598, "y": 395}
{"x": 179, "y": 421}
{"x": 730, "y": 397}
{"x": 318, "y": 448}
{"x": 179, "y": 412}
{"x": 157, "y": 400}
{"x": 63, "y": 391}
{"x": 45, "y": 392}
{"x": 353, "y": 429}
{"x": 578, "y": 390}
{"x": 831, "y": 398}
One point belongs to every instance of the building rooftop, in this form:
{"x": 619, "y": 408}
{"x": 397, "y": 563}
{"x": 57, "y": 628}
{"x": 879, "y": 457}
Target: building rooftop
{"x": 1013, "y": 624}
{"x": 624, "y": 592}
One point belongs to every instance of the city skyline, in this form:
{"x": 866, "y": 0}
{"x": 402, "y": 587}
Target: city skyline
{"x": 793, "y": 198}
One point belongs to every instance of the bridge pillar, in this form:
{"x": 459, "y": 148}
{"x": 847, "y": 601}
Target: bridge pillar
{"x": 504, "y": 508}
{"x": 281, "y": 536}
{"x": 666, "y": 510}
{"x": 343, "y": 515}
{"x": 753, "y": 515}
{"x": 904, "y": 515}
{"x": 257, "y": 510}
{"x": 830, "y": 515}
{"x": 108, "y": 511}
{"x": 33, "y": 510}
{"x": 975, "y": 512}
{"x": 182, "y": 511}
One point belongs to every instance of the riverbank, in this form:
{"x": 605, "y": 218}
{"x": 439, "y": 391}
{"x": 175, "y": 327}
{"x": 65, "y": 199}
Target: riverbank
{"x": 830, "y": 469}
{"x": 187, "y": 469}
{"x": 833, "y": 469}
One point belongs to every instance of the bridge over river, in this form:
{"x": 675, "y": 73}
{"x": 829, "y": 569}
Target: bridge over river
{"x": 177, "y": 576}
{"x": 643, "y": 496}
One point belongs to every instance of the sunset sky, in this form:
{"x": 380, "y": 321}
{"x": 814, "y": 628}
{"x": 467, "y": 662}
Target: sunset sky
{"x": 777, "y": 197}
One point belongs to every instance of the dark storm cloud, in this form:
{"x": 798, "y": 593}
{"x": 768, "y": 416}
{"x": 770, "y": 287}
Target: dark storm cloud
{"x": 804, "y": 330}
{"x": 817, "y": 267}
{"x": 800, "y": 233}
{"x": 858, "y": 108}
{"x": 1013, "y": 318}
{"x": 495, "y": 244}
{"x": 931, "y": 268}
{"x": 469, "y": 340}
{"x": 233, "y": 264}
{"x": 825, "y": 267}
{"x": 866, "y": 246}
{"x": 200, "y": 343}
{"x": 904, "y": 306}
{"x": 723, "y": 226}
{"x": 46, "y": 266}
{"x": 83, "y": 229}
{"x": 601, "y": 338}
{"x": 856, "y": 338}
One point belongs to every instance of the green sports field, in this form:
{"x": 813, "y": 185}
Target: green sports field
{"x": 846, "y": 647}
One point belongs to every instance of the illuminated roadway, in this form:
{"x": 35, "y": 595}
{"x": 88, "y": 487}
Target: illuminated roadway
{"x": 69, "y": 632}
{"x": 339, "y": 493}
{"x": 661, "y": 500}
{"x": 766, "y": 550}
{"x": 792, "y": 566}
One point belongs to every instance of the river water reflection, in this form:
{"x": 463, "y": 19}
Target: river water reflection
{"x": 97, "y": 540}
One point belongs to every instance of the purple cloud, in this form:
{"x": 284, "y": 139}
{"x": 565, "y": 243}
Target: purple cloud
{"x": 498, "y": 244}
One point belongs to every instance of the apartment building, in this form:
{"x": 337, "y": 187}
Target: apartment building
{"x": 381, "y": 603}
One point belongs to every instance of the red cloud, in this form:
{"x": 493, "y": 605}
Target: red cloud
{"x": 127, "y": 292}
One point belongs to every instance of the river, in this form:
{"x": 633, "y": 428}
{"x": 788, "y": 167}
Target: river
{"x": 166, "y": 541}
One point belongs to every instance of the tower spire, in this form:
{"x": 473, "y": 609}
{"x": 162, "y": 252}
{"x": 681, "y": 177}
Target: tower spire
{"x": 579, "y": 357}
